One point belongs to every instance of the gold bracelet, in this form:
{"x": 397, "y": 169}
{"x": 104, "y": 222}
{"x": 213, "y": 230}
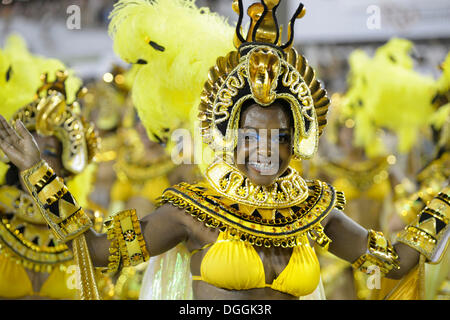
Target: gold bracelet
{"x": 429, "y": 232}
{"x": 52, "y": 191}
{"x": 127, "y": 243}
{"x": 57, "y": 206}
{"x": 380, "y": 253}
{"x": 39, "y": 174}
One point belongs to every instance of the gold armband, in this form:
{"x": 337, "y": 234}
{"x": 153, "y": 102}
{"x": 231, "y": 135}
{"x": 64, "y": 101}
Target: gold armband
{"x": 59, "y": 209}
{"x": 127, "y": 243}
{"x": 429, "y": 232}
{"x": 380, "y": 253}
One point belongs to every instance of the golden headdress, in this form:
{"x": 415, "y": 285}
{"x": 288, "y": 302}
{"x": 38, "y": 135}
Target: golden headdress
{"x": 51, "y": 115}
{"x": 264, "y": 70}
{"x": 44, "y": 98}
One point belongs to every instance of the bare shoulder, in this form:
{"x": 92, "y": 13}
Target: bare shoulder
{"x": 335, "y": 214}
{"x": 168, "y": 213}
{"x": 337, "y": 221}
{"x": 196, "y": 233}
{"x": 164, "y": 228}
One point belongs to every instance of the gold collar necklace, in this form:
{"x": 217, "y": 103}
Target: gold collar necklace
{"x": 287, "y": 190}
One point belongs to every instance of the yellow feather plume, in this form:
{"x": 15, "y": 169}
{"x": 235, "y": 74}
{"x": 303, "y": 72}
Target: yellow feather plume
{"x": 443, "y": 83}
{"x": 396, "y": 51}
{"x": 386, "y": 93}
{"x": 172, "y": 44}
{"x": 20, "y": 76}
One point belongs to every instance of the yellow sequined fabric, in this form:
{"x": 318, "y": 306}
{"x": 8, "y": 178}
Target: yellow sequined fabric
{"x": 15, "y": 283}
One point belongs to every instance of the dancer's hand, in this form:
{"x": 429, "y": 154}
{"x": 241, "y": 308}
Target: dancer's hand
{"x": 18, "y": 145}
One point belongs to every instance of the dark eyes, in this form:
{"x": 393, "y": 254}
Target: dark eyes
{"x": 280, "y": 138}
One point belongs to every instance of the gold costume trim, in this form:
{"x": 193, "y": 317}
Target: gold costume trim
{"x": 286, "y": 191}
{"x": 29, "y": 244}
{"x": 380, "y": 253}
{"x": 61, "y": 212}
{"x": 127, "y": 243}
{"x": 37, "y": 258}
{"x": 52, "y": 191}
{"x": 88, "y": 285}
{"x": 283, "y": 229}
{"x": 429, "y": 232}
{"x": 50, "y": 115}
{"x": 41, "y": 176}
{"x": 263, "y": 70}
{"x": 68, "y": 222}
{"x": 22, "y": 204}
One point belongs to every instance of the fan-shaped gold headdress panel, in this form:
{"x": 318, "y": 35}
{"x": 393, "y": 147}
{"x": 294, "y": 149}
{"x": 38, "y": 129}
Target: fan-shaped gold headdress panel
{"x": 264, "y": 70}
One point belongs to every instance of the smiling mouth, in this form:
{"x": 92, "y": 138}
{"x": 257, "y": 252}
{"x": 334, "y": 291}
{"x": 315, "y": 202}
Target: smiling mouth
{"x": 264, "y": 165}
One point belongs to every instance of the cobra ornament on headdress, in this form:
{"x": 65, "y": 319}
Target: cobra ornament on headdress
{"x": 264, "y": 70}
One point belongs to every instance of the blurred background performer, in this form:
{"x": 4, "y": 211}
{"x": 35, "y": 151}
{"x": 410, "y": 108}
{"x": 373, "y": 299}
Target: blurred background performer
{"x": 39, "y": 93}
{"x": 385, "y": 95}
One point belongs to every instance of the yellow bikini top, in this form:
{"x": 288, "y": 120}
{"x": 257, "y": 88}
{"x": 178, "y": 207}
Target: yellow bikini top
{"x": 235, "y": 265}
{"x": 232, "y": 261}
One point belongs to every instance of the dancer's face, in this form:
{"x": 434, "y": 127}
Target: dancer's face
{"x": 264, "y": 148}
